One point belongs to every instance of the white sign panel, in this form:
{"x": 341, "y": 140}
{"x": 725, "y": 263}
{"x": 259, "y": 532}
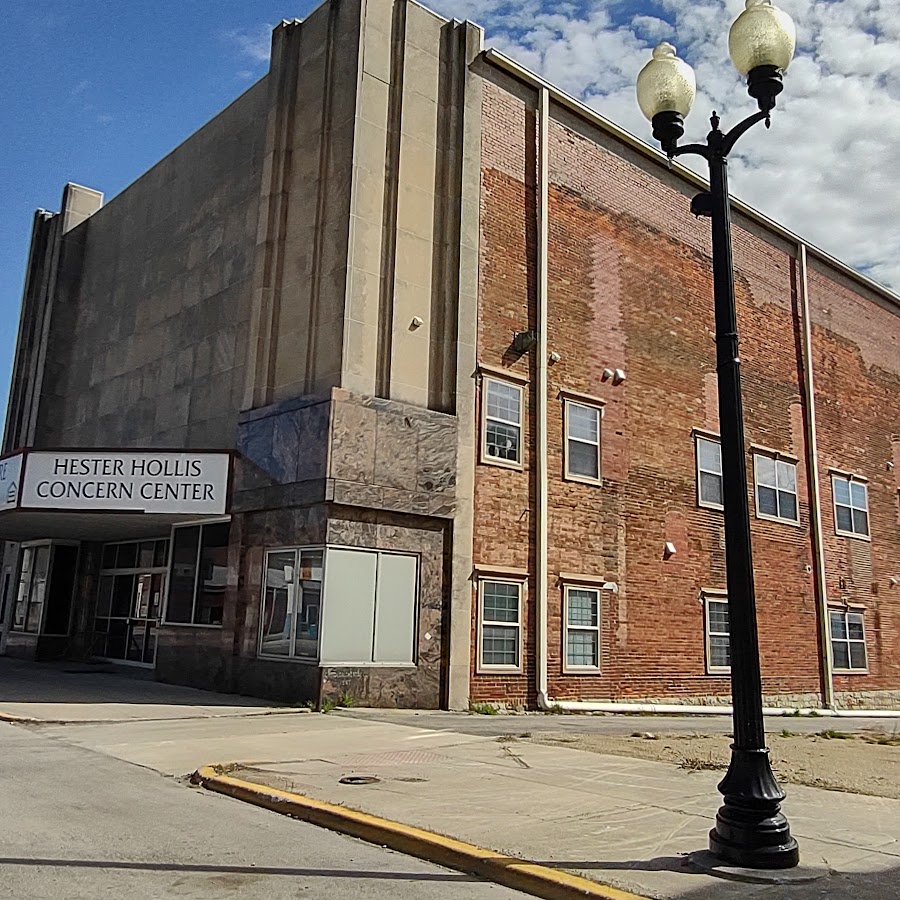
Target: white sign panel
{"x": 10, "y": 481}
{"x": 145, "y": 481}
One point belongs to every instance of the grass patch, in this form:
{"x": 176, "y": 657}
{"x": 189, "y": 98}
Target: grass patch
{"x": 345, "y": 700}
{"x": 884, "y": 740}
{"x": 700, "y": 764}
{"x": 483, "y": 709}
{"x": 830, "y": 734}
{"x": 786, "y": 733}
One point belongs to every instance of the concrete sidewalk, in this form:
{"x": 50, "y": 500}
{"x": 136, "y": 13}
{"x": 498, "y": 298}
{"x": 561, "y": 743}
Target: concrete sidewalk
{"x": 624, "y": 822}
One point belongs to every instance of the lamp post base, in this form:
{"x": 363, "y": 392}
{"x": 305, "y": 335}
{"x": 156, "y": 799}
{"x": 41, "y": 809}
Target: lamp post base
{"x": 751, "y": 831}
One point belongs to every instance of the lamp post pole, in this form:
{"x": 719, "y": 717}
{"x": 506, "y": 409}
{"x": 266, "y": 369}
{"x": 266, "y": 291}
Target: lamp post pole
{"x": 750, "y": 828}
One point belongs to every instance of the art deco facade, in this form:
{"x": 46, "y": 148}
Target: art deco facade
{"x": 397, "y": 380}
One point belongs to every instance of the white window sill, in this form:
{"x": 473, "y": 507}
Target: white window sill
{"x": 779, "y": 521}
{"x": 501, "y": 463}
{"x": 853, "y": 534}
{"x": 294, "y": 659}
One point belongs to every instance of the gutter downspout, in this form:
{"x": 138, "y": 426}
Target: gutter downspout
{"x": 812, "y": 466}
{"x": 541, "y": 527}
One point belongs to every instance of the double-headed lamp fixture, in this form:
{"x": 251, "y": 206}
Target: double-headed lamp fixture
{"x": 761, "y": 44}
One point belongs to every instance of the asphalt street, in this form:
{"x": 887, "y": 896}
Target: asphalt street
{"x": 80, "y": 825}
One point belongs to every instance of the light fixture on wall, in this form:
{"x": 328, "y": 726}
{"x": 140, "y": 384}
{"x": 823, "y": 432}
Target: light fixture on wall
{"x": 523, "y": 341}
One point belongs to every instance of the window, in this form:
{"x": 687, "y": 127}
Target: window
{"x": 851, "y": 506}
{"x": 709, "y": 473}
{"x": 29, "y": 609}
{"x": 198, "y": 572}
{"x": 718, "y": 631}
{"x": 776, "y": 488}
{"x": 848, "y": 640}
{"x": 582, "y": 631}
{"x": 340, "y": 606}
{"x": 501, "y": 625}
{"x": 582, "y": 441}
{"x": 502, "y": 422}
{"x": 292, "y": 602}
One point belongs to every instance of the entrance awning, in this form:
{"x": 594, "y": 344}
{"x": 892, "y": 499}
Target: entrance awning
{"x": 31, "y": 525}
{"x": 108, "y": 495}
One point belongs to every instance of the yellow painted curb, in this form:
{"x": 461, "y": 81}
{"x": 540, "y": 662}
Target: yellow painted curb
{"x": 15, "y": 720}
{"x": 518, "y": 874}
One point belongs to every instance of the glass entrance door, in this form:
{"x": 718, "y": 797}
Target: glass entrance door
{"x": 129, "y": 601}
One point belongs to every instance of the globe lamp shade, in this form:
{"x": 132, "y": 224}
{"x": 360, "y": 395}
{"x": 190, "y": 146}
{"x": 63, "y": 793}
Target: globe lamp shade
{"x": 666, "y": 84}
{"x": 762, "y": 35}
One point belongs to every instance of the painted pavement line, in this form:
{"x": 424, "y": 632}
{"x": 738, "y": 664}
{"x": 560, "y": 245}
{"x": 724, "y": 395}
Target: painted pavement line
{"x": 517, "y": 874}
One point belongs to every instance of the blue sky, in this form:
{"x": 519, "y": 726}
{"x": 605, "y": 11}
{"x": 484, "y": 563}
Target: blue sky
{"x": 96, "y": 91}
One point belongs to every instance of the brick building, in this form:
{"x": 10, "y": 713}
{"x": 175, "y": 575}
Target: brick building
{"x": 409, "y": 358}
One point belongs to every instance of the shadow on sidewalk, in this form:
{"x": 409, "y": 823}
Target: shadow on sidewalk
{"x": 89, "y": 683}
{"x": 879, "y": 885}
{"x": 233, "y": 870}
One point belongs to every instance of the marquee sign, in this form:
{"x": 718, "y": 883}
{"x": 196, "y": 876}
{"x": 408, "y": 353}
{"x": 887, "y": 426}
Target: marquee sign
{"x": 138, "y": 481}
{"x": 10, "y": 479}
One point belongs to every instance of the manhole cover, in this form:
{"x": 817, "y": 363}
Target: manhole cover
{"x": 359, "y": 779}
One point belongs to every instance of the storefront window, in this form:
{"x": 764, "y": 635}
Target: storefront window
{"x": 292, "y": 599}
{"x": 32, "y": 588}
{"x": 198, "y": 575}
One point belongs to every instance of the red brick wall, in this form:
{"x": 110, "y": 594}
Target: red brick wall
{"x": 856, "y": 349}
{"x": 630, "y": 288}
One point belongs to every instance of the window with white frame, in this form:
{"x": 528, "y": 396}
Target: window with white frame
{"x": 197, "y": 574}
{"x": 709, "y": 472}
{"x": 582, "y": 628}
{"x": 851, "y": 505}
{"x": 501, "y": 625}
{"x": 848, "y": 640}
{"x": 718, "y": 634}
{"x": 776, "y": 488}
{"x": 582, "y": 441}
{"x": 502, "y": 415}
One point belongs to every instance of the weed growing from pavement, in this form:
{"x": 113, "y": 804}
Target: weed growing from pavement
{"x": 831, "y": 735}
{"x": 483, "y": 709}
{"x": 885, "y": 740}
{"x": 787, "y": 733}
{"x": 698, "y": 764}
{"x": 345, "y": 700}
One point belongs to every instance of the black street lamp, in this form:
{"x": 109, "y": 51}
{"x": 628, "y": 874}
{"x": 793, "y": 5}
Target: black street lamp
{"x": 750, "y": 828}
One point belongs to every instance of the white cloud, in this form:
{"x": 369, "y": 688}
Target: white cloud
{"x": 828, "y": 168}
{"x": 253, "y": 43}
